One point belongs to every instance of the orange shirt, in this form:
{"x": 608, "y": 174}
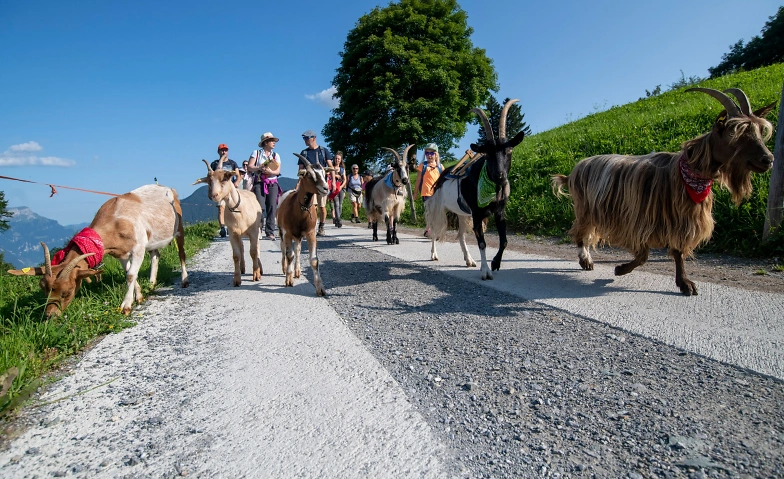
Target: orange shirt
{"x": 428, "y": 181}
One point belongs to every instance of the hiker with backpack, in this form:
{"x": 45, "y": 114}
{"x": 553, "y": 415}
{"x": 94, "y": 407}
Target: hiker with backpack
{"x": 321, "y": 155}
{"x": 355, "y": 184}
{"x": 429, "y": 171}
{"x": 264, "y": 164}
{"x": 338, "y": 190}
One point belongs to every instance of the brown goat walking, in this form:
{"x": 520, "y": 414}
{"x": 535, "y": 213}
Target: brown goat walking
{"x": 297, "y": 219}
{"x": 664, "y": 199}
{"x": 146, "y": 219}
{"x": 243, "y": 218}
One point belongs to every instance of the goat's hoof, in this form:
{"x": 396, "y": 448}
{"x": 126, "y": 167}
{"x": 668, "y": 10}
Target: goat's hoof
{"x": 586, "y": 265}
{"x": 687, "y": 287}
{"x": 185, "y": 284}
{"x": 126, "y": 311}
{"x": 487, "y": 275}
{"x": 237, "y": 283}
{"x": 495, "y": 266}
{"x": 321, "y": 292}
{"x": 471, "y": 264}
{"x": 397, "y": 241}
{"x": 433, "y": 257}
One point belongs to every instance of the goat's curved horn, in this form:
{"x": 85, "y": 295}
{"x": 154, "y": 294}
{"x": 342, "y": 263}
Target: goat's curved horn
{"x": 405, "y": 153}
{"x": 485, "y": 123}
{"x": 397, "y": 156}
{"x": 47, "y": 259}
{"x": 726, "y": 102}
{"x": 303, "y": 160}
{"x": 67, "y": 270}
{"x": 743, "y": 100}
{"x": 209, "y": 168}
{"x": 502, "y": 120}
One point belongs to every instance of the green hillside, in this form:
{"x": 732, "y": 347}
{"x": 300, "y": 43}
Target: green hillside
{"x": 660, "y": 123}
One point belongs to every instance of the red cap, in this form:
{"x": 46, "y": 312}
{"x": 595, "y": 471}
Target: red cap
{"x": 222, "y": 146}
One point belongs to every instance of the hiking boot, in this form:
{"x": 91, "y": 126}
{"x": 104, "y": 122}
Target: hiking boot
{"x": 320, "y": 231}
{"x": 223, "y": 231}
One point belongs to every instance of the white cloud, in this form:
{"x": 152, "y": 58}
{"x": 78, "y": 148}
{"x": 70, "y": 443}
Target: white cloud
{"x": 326, "y": 97}
{"x": 29, "y": 146}
{"x": 19, "y": 155}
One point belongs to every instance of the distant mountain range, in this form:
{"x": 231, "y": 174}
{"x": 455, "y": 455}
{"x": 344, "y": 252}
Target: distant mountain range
{"x": 21, "y": 243}
{"x": 198, "y": 208}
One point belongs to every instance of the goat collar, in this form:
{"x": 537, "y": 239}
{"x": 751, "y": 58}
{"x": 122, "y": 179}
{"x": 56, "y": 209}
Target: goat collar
{"x": 235, "y": 208}
{"x": 698, "y": 187}
{"x": 388, "y": 180}
{"x": 306, "y": 205}
{"x": 86, "y": 241}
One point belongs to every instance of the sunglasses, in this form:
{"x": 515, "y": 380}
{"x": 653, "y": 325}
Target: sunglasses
{"x": 430, "y": 153}
{"x": 307, "y": 137}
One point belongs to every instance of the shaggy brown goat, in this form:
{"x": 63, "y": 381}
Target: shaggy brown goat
{"x": 146, "y": 219}
{"x": 242, "y": 215}
{"x": 297, "y": 219}
{"x": 664, "y": 199}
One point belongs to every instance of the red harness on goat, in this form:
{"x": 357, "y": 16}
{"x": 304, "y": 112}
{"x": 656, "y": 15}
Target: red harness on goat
{"x": 86, "y": 241}
{"x": 698, "y": 187}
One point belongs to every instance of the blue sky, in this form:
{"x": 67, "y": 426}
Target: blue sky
{"x": 109, "y": 95}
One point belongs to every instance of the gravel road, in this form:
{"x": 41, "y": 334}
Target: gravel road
{"x": 413, "y": 369}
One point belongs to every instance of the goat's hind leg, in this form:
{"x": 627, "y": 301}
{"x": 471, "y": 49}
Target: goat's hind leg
{"x": 686, "y": 286}
{"x": 480, "y": 239}
{"x": 155, "y": 255}
{"x": 462, "y": 227}
{"x": 180, "y": 240}
{"x": 639, "y": 259}
{"x": 297, "y": 254}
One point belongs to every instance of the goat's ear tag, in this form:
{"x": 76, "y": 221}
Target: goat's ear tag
{"x": 26, "y": 270}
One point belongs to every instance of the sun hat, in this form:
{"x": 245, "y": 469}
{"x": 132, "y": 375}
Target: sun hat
{"x": 267, "y": 137}
{"x": 432, "y": 146}
{"x": 222, "y": 146}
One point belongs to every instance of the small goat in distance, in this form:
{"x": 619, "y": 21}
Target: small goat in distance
{"x": 665, "y": 199}
{"x": 242, "y": 215}
{"x": 385, "y": 198}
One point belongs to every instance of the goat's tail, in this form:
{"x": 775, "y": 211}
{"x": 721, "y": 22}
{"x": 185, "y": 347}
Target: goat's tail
{"x": 435, "y": 215}
{"x": 559, "y": 182}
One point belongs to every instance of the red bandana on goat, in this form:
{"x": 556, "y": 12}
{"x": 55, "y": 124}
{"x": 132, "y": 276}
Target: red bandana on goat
{"x": 87, "y": 241}
{"x": 698, "y": 187}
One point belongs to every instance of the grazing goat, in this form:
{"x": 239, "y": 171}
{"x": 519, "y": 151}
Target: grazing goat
{"x": 665, "y": 199}
{"x": 297, "y": 219}
{"x": 242, "y": 219}
{"x": 146, "y": 219}
{"x": 385, "y": 198}
{"x": 484, "y": 190}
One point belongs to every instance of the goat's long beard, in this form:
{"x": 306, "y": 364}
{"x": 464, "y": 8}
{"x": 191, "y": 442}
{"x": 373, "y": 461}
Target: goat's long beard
{"x": 737, "y": 179}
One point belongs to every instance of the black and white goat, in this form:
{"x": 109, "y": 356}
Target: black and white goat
{"x": 385, "y": 197}
{"x": 482, "y": 192}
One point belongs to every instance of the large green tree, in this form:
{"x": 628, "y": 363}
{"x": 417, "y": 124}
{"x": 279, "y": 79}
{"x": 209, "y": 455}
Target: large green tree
{"x": 759, "y": 52}
{"x": 408, "y": 74}
{"x": 514, "y": 119}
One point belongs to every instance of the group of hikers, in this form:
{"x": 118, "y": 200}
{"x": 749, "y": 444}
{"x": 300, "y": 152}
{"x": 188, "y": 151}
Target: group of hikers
{"x": 260, "y": 172}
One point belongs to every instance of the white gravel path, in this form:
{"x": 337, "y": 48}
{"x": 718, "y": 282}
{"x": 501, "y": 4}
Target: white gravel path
{"x": 216, "y": 381}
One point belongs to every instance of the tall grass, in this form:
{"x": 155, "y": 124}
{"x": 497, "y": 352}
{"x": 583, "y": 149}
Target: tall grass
{"x": 35, "y": 345}
{"x": 660, "y": 123}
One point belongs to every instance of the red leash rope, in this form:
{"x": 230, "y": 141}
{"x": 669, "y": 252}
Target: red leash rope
{"x": 54, "y": 190}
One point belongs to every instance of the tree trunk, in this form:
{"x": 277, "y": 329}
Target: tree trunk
{"x": 776, "y": 189}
